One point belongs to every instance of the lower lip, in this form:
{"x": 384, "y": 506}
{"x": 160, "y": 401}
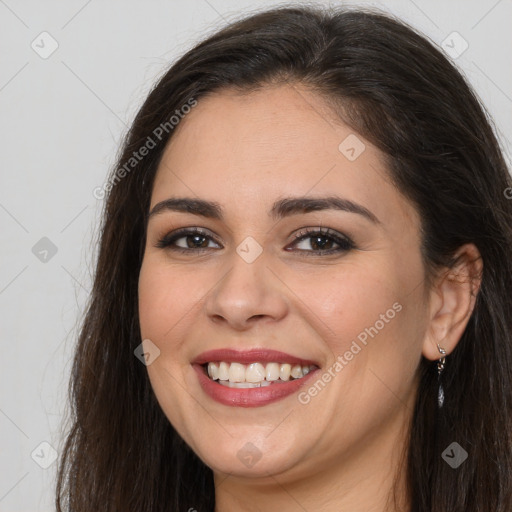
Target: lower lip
{"x": 249, "y": 397}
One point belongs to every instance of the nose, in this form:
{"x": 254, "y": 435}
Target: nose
{"x": 248, "y": 293}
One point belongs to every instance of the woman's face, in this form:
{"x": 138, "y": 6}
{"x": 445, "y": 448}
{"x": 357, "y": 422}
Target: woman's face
{"x": 348, "y": 302}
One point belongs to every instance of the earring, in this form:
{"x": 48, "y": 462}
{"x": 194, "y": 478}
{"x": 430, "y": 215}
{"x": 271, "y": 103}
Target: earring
{"x": 440, "y": 368}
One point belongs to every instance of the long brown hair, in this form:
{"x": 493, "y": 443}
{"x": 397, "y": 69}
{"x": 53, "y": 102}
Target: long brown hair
{"x": 394, "y": 87}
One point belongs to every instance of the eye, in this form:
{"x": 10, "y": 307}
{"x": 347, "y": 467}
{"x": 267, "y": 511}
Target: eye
{"x": 321, "y": 241}
{"x": 188, "y": 240}
{"x": 195, "y": 239}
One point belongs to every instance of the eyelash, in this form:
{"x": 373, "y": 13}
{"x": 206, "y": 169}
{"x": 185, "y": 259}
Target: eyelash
{"x": 344, "y": 242}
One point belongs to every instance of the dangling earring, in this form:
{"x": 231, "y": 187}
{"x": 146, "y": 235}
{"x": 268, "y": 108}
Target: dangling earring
{"x": 440, "y": 368}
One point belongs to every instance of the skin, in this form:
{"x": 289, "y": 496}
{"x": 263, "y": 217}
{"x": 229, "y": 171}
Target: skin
{"x": 341, "y": 450}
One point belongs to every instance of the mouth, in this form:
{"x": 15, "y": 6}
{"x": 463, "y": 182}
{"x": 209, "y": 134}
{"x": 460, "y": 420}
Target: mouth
{"x": 254, "y": 375}
{"x": 251, "y": 378}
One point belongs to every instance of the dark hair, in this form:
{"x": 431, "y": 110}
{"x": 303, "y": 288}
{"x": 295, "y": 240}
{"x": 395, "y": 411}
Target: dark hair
{"x": 396, "y": 89}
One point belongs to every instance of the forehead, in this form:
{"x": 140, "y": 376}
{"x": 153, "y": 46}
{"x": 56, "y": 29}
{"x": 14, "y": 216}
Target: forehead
{"x": 277, "y": 141}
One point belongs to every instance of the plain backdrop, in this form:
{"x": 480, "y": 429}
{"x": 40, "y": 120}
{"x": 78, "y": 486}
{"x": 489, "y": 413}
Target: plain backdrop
{"x": 62, "y": 117}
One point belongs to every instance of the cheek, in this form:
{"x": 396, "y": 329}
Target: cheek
{"x": 373, "y": 316}
{"x": 165, "y": 297}
{"x": 344, "y": 303}
{"x": 161, "y": 314}
{"x": 151, "y": 303}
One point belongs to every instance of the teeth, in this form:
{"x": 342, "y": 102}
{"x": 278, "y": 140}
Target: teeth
{"x": 296, "y": 371}
{"x": 284, "y": 371}
{"x": 213, "y": 371}
{"x": 236, "y": 372}
{"x": 272, "y": 371}
{"x": 255, "y": 374}
{"x": 239, "y": 385}
{"x": 223, "y": 370}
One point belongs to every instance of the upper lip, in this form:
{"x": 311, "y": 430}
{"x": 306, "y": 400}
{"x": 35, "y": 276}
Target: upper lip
{"x": 254, "y": 355}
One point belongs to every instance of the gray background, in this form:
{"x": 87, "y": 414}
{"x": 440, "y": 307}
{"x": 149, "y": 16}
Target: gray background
{"x": 61, "y": 122}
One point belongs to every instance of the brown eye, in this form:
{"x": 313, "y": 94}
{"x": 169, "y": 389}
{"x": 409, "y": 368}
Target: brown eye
{"x": 322, "y": 242}
{"x": 194, "y": 239}
{"x": 316, "y": 241}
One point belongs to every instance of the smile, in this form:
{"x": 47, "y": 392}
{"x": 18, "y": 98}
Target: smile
{"x": 254, "y": 375}
{"x": 252, "y": 378}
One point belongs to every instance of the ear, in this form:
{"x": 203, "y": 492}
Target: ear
{"x": 452, "y": 300}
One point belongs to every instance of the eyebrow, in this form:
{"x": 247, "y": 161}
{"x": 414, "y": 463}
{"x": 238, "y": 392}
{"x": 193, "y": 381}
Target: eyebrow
{"x": 280, "y": 209}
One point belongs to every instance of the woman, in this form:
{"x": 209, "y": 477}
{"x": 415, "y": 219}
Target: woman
{"x": 301, "y": 299}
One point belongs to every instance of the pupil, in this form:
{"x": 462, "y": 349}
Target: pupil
{"x": 315, "y": 242}
{"x": 196, "y": 238}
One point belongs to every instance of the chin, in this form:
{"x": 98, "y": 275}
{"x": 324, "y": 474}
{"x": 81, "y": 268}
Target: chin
{"x": 245, "y": 456}
{"x": 257, "y": 468}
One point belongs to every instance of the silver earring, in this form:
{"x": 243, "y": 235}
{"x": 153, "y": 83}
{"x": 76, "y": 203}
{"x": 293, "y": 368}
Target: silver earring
{"x": 440, "y": 368}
